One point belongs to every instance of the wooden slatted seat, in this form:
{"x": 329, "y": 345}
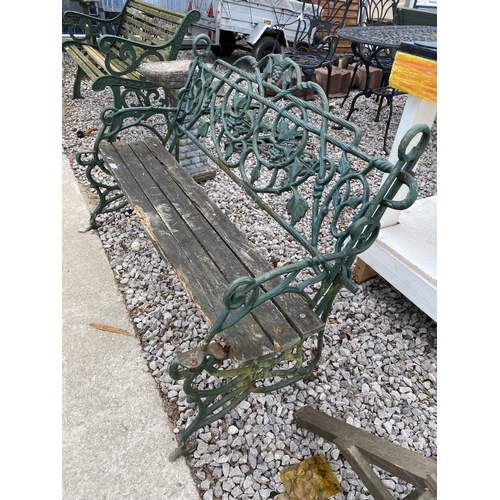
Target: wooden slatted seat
{"x": 206, "y": 249}
{"x": 141, "y": 32}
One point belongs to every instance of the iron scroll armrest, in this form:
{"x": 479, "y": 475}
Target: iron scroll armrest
{"x": 327, "y": 273}
{"x": 91, "y": 26}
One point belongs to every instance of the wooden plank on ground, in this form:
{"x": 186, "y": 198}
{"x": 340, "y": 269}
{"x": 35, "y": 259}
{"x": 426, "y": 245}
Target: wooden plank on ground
{"x": 405, "y": 464}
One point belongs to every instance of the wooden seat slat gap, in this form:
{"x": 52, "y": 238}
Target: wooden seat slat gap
{"x": 293, "y": 307}
{"x": 273, "y": 323}
{"x": 148, "y": 31}
{"x": 196, "y": 277}
{"x": 154, "y": 10}
{"x": 208, "y": 252}
{"x": 99, "y": 58}
{"x": 92, "y": 71}
{"x": 186, "y": 256}
{"x": 408, "y": 465}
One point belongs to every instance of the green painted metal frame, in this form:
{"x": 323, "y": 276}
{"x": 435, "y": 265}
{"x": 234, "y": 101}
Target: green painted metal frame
{"x": 260, "y": 135}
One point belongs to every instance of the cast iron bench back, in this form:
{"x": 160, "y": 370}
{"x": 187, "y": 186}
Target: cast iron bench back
{"x": 280, "y": 150}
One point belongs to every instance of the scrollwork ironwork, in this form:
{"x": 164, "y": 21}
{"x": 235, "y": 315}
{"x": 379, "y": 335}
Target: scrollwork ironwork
{"x": 248, "y": 118}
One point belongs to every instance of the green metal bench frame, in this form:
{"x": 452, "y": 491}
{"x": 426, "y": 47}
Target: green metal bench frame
{"x": 141, "y": 32}
{"x": 250, "y": 120}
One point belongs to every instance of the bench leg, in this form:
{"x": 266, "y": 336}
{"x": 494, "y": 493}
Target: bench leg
{"x": 110, "y": 196}
{"x": 77, "y": 94}
{"x": 237, "y": 383}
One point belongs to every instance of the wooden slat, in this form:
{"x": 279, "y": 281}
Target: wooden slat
{"x": 91, "y": 70}
{"x": 98, "y": 58}
{"x": 168, "y": 21}
{"x": 228, "y": 262}
{"x": 297, "y": 312}
{"x": 155, "y": 10}
{"x": 146, "y": 30}
{"x": 405, "y": 464}
{"x": 181, "y": 247}
{"x": 149, "y": 23}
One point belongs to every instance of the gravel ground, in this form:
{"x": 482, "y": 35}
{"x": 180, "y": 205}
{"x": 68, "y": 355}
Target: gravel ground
{"x": 379, "y": 365}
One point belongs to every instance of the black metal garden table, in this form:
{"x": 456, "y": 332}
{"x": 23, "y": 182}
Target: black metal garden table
{"x": 374, "y": 45}
{"x": 388, "y": 36}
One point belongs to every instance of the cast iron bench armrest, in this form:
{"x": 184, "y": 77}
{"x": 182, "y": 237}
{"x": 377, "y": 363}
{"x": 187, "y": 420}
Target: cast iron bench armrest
{"x": 131, "y": 53}
{"x": 93, "y": 26}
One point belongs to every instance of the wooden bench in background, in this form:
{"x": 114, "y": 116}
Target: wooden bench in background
{"x": 141, "y": 32}
{"x": 250, "y": 120}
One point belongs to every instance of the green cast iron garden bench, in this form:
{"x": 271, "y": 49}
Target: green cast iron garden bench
{"x": 321, "y": 192}
{"x": 141, "y": 32}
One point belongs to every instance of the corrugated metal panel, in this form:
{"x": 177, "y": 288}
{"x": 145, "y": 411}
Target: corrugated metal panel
{"x": 117, "y": 5}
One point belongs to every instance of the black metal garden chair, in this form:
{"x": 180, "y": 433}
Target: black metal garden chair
{"x": 317, "y": 38}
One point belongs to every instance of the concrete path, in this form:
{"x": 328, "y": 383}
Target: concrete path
{"x": 115, "y": 435}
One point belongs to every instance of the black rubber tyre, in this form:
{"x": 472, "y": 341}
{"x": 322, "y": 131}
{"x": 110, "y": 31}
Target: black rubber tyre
{"x": 227, "y": 40}
{"x": 266, "y": 45}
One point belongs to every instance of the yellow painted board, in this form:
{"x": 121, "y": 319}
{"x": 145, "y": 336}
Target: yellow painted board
{"x": 415, "y": 75}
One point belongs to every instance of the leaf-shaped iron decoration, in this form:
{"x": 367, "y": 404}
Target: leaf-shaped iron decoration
{"x": 255, "y": 175}
{"x": 296, "y": 207}
{"x": 283, "y": 128}
{"x": 202, "y": 129}
{"x": 353, "y": 202}
{"x": 286, "y": 79}
{"x": 344, "y": 165}
{"x": 295, "y": 170}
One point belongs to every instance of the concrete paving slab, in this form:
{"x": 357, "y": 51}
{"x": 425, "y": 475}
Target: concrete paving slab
{"x": 115, "y": 434}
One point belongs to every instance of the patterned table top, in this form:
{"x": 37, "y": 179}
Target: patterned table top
{"x": 389, "y": 36}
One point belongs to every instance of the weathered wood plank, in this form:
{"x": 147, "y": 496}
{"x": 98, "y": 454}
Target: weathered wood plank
{"x": 405, "y": 464}
{"x": 226, "y": 260}
{"x": 293, "y": 307}
{"x": 146, "y": 30}
{"x": 181, "y": 247}
{"x": 92, "y": 63}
